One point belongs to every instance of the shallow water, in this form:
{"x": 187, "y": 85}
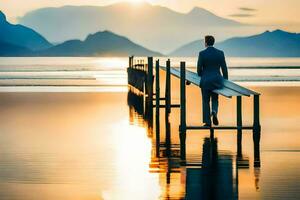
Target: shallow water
{"x": 97, "y": 145}
{"x": 93, "y": 146}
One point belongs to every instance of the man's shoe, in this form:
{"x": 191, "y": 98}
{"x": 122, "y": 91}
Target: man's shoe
{"x": 207, "y": 125}
{"x": 215, "y": 119}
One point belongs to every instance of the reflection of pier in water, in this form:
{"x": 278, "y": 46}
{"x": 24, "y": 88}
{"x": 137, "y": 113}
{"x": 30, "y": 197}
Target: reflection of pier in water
{"x": 139, "y": 112}
{"x": 215, "y": 176}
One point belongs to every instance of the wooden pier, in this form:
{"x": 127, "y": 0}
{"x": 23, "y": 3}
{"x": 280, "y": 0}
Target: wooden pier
{"x": 141, "y": 77}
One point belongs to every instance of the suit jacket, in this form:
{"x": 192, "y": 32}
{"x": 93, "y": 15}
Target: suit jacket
{"x": 211, "y": 62}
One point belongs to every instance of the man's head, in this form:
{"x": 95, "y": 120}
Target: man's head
{"x": 209, "y": 41}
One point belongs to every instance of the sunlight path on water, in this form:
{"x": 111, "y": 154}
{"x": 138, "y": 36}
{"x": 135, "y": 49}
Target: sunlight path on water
{"x": 133, "y": 155}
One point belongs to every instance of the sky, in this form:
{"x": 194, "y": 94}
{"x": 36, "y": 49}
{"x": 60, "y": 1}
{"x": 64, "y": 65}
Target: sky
{"x": 278, "y": 13}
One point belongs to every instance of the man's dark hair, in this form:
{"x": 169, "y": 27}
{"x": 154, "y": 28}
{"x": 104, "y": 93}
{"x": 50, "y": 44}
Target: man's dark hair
{"x": 209, "y": 40}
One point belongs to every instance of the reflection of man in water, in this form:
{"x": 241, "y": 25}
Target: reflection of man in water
{"x": 210, "y": 61}
{"x": 215, "y": 179}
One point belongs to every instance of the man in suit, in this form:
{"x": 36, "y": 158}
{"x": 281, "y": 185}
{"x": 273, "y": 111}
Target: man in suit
{"x": 211, "y": 62}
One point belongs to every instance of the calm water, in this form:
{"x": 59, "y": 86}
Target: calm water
{"x": 96, "y": 144}
{"x": 109, "y": 74}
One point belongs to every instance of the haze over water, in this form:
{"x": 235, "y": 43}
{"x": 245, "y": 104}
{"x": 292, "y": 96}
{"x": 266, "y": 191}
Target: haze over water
{"x": 92, "y": 145}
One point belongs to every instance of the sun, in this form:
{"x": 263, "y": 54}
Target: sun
{"x": 136, "y": 1}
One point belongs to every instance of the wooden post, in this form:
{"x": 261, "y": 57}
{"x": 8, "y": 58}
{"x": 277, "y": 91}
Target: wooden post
{"x": 128, "y": 71}
{"x": 168, "y": 108}
{"x": 182, "y": 128}
{"x": 256, "y": 123}
{"x": 212, "y": 132}
{"x": 157, "y": 104}
{"x": 168, "y": 87}
{"x": 239, "y": 123}
{"x": 149, "y": 91}
{"x": 168, "y": 138}
{"x": 256, "y": 132}
{"x": 157, "y": 86}
{"x": 150, "y": 78}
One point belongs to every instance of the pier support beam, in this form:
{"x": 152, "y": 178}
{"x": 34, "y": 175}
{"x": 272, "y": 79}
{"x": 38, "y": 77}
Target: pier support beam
{"x": 168, "y": 108}
{"x": 239, "y": 123}
{"x": 256, "y": 131}
{"x": 130, "y": 64}
{"x": 157, "y": 101}
{"x": 168, "y": 87}
{"x": 212, "y": 132}
{"x": 149, "y": 90}
{"x": 150, "y": 78}
{"x": 182, "y": 127}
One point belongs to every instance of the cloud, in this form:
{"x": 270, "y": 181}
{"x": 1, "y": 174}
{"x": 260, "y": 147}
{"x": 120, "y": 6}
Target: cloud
{"x": 247, "y": 9}
{"x": 241, "y": 15}
{"x": 245, "y": 12}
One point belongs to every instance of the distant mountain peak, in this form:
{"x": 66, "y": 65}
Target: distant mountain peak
{"x": 277, "y": 32}
{"x": 2, "y": 16}
{"x": 197, "y": 9}
{"x": 104, "y": 33}
{"x": 210, "y": 18}
{"x": 104, "y": 43}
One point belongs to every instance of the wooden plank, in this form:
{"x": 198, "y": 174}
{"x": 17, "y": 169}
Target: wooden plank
{"x": 238, "y": 88}
{"x": 175, "y": 105}
{"x": 230, "y": 89}
{"x": 162, "y": 99}
{"x": 227, "y": 84}
{"x": 227, "y": 92}
{"x": 217, "y": 127}
{"x": 196, "y": 81}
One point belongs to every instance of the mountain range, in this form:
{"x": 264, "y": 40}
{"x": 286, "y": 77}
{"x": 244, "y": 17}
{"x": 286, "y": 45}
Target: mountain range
{"x": 103, "y": 43}
{"x": 276, "y": 43}
{"x": 155, "y": 27}
{"x": 18, "y": 40}
{"x": 19, "y": 37}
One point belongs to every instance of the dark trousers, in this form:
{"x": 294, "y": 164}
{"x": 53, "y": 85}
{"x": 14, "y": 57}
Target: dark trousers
{"x": 207, "y": 97}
